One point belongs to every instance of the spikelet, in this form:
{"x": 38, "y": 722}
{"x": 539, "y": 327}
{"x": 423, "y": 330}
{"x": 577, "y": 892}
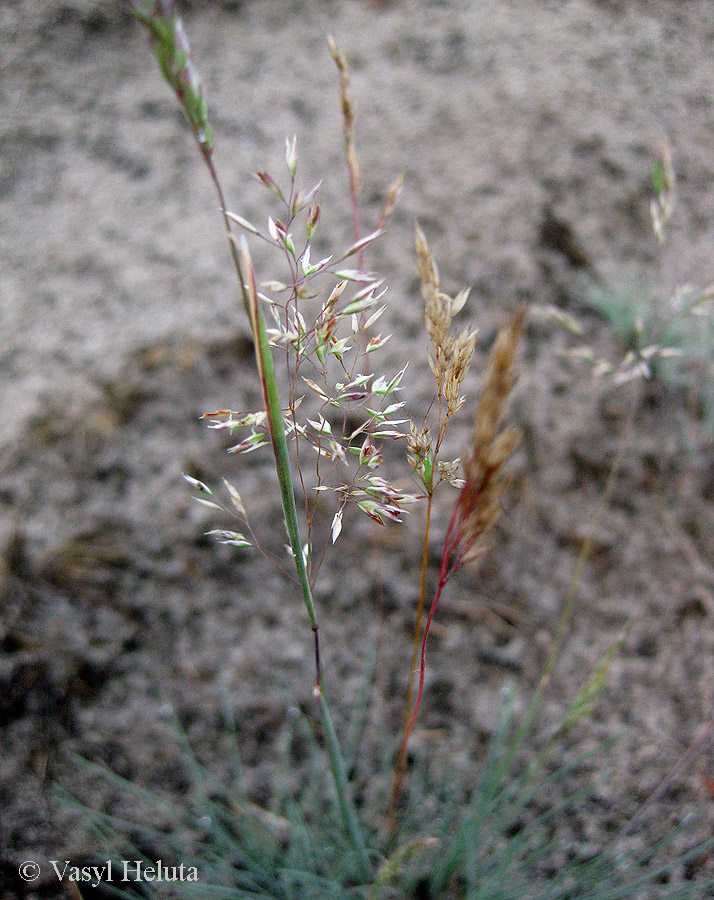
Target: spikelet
{"x": 395, "y": 189}
{"x": 418, "y": 445}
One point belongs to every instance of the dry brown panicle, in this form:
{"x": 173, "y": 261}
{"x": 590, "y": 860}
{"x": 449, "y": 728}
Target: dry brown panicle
{"x": 348, "y": 112}
{"x": 500, "y": 378}
{"x": 480, "y": 499}
{"x": 452, "y": 353}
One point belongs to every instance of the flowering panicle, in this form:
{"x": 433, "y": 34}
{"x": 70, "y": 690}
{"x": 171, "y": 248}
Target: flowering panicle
{"x": 350, "y": 410}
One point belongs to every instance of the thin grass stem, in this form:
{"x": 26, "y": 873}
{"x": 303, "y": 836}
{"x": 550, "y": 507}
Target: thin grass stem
{"x": 569, "y": 604}
{"x": 340, "y": 779}
{"x": 400, "y": 766}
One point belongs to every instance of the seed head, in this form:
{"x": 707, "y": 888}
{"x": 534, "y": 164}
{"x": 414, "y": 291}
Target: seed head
{"x": 348, "y": 112}
{"x": 479, "y": 503}
{"x": 452, "y": 353}
{"x": 419, "y": 454}
{"x": 173, "y": 54}
{"x": 393, "y": 193}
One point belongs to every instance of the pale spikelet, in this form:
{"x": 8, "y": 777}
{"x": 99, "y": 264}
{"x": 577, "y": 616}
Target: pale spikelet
{"x": 457, "y": 365}
{"x": 419, "y": 453}
{"x": 435, "y": 316}
{"x": 479, "y": 503}
{"x": 395, "y": 189}
{"x": 447, "y": 471}
{"x": 418, "y": 445}
{"x": 348, "y": 112}
{"x": 452, "y": 354}
{"x": 425, "y": 263}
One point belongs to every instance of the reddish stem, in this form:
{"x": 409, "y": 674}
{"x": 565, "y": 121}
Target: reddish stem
{"x": 451, "y": 542}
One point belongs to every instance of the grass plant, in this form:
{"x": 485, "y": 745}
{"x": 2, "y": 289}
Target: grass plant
{"x": 668, "y": 336}
{"x": 330, "y": 415}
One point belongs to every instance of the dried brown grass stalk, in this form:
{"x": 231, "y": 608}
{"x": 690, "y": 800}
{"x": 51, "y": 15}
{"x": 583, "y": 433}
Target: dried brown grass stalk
{"x": 453, "y": 355}
{"x": 479, "y": 502}
{"x": 348, "y": 122}
{"x": 478, "y": 505}
{"x": 393, "y": 192}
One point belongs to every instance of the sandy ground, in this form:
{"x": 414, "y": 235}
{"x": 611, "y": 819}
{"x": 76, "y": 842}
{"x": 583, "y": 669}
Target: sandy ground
{"x": 526, "y": 132}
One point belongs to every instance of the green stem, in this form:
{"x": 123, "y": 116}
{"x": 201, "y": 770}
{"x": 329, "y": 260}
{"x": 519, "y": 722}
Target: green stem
{"x": 341, "y": 786}
{"x": 282, "y": 462}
